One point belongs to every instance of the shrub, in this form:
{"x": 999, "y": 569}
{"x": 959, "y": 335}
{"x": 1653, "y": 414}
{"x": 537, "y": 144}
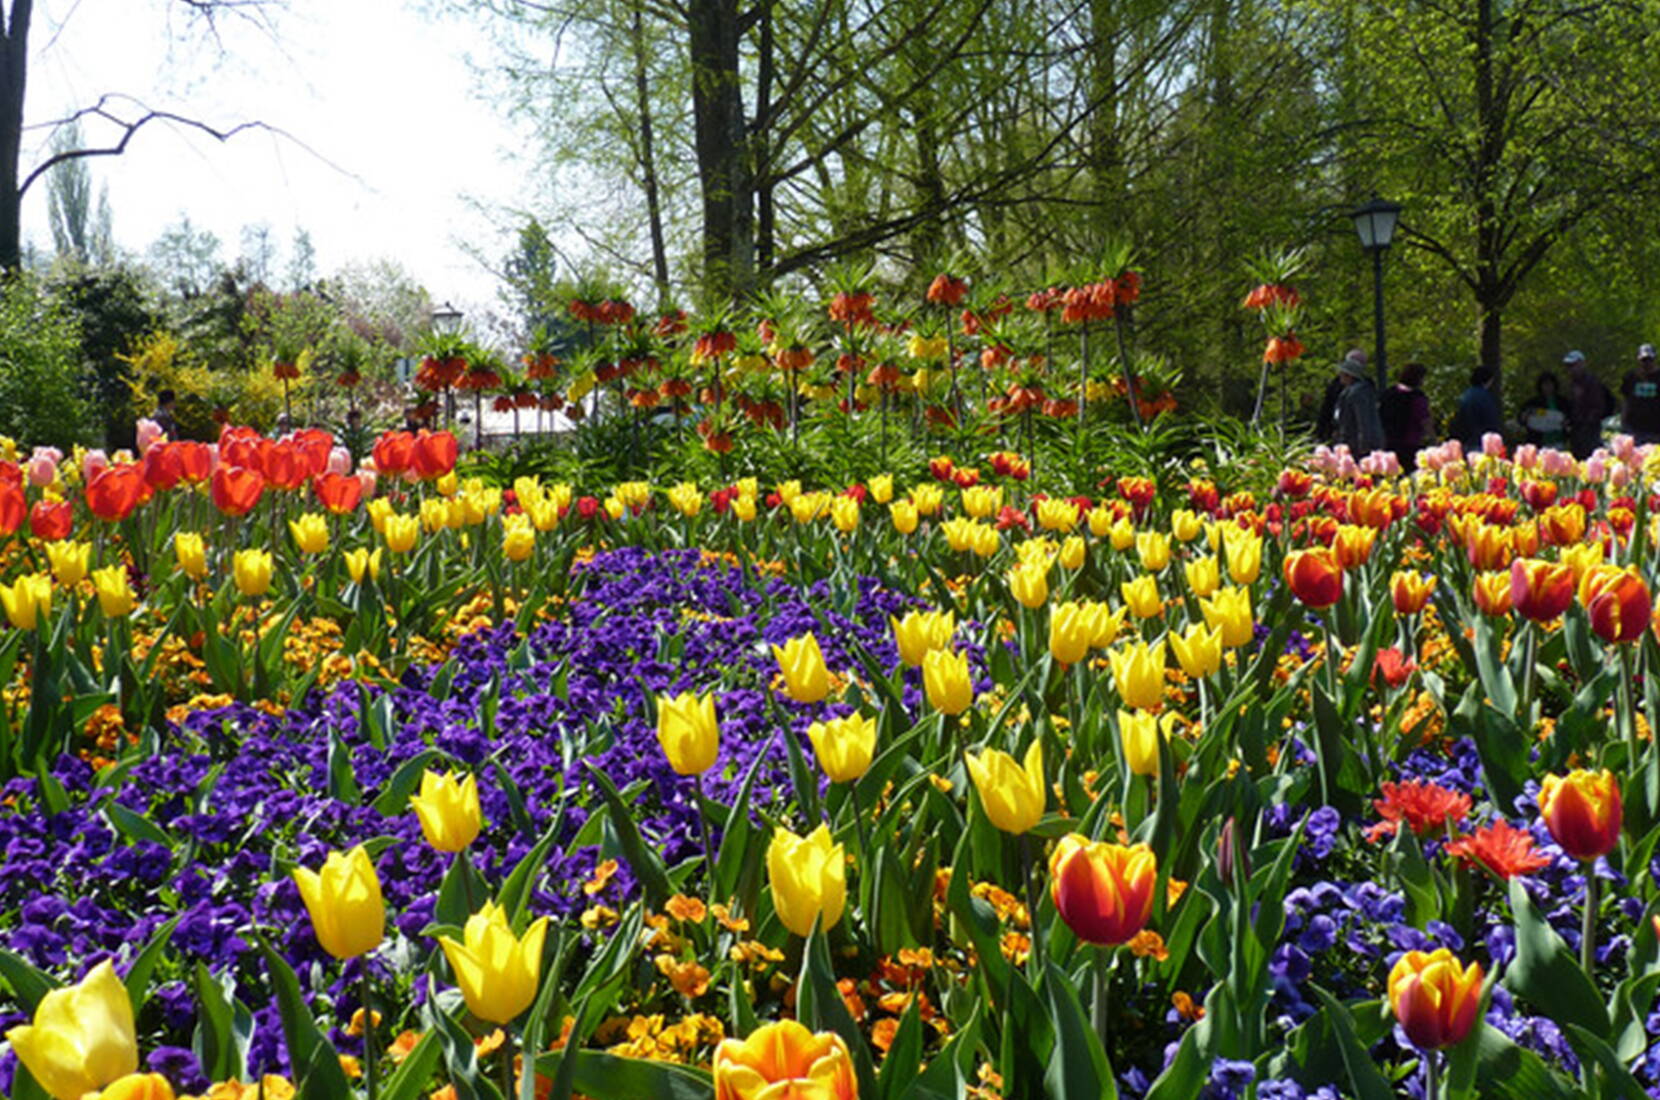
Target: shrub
{"x": 40, "y": 363}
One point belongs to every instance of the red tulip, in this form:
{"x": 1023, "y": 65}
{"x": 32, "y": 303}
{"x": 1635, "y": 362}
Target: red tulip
{"x": 339, "y": 493}
{"x": 115, "y": 492}
{"x": 236, "y": 489}
{"x": 162, "y": 468}
{"x": 1583, "y": 812}
{"x": 51, "y": 521}
{"x": 1314, "y": 576}
{"x": 195, "y": 460}
{"x": 13, "y": 507}
{"x": 1618, "y": 602}
{"x": 286, "y": 465}
{"x": 434, "y": 455}
{"x": 1540, "y": 590}
{"x": 1104, "y": 892}
{"x": 394, "y": 452}
{"x": 1435, "y": 998}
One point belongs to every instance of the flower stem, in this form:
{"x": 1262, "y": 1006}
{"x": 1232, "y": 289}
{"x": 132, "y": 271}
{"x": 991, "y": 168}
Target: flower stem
{"x": 1432, "y": 1075}
{"x": 506, "y": 1066}
{"x": 1103, "y": 994}
{"x": 369, "y": 1068}
{"x": 708, "y": 841}
{"x": 1029, "y": 875}
{"x": 1588, "y": 926}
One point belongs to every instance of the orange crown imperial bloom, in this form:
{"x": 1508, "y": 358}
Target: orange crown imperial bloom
{"x": 1314, "y": 576}
{"x": 1583, "y": 812}
{"x": 1435, "y": 997}
{"x": 783, "y": 1061}
{"x": 1425, "y": 807}
{"x": 1104, "y": 892}
{"x": 1618, "y": 602}
{"x": 1502, "y": 848}
{"x": 1540, "y": 590}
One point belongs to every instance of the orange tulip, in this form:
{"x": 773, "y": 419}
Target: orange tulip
{"x": 394, "y": 452}
{"x": 1410, "y": 591}
{"x": 51, "y": 521}
{"x": 1314, "y": 576}
{"x": 1618, "y": 601}
{"x": 434, "y": 455}
{"x": 784, "y": 1061}
{"x": 236, "y": 489}
{"x": 195, "y": 460}
{"x": 339, "y": 493}
{"x": 1583, "y": 812}
{"x": 285, "y": 465}
{"x": 1436, "y": 999}
{"x": 115, "y": 492}
{"x": 13, "y": 507}
{"x": 1492, "y": 593}
{"x": 1104, "y": 892}
{"x": 1540, "y": 590}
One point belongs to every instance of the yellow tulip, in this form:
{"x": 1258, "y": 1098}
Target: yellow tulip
{"x": 1036, "y": 551}
{"x": 1071, "y": 630}
{"x": 743, "y": 506}
{"x": 615, "y": 508}
{"x": 1107, "y": 625}
{"x": 448, "y": 810}
{"x": 844, "y": 746}
{"x": 115, "y": 595}
{"x": 782, "y": 1061}
{"x": 687, "y": 499}
{"x": 28, "y": 600}
{"x": 435, "y": 515}
{"x": 688, "y": 731}
{"x": 497, "y": 971}
{"x": 82, "y": 1037}
{"x": 1138, "y": 674}
{"x": 1198, "y": 650}
{"x": 137, "y": 1086}
{"x": 1142, "y": 597}
{"x": 788, "y": 491}
{"x": 947, "y": 682}
{"x": 1142, "y": 737}
{"x": 904, "y": 516}
{"x": 1204, "y": 575}
{"x": 69, "y": 561}
{"x": 518, "y": 541}
{"x": 919, "y": 632}
{"x": 252, "y": 571}
{"x": 310, "y": 533}
{"x": 927, "y": 498}
{"x": 447, "y": 485}
{"x": 986, "y": 540}
{"x": 1073, "y": 552}
{"x": 881, "y": 488}
{"x": 344, "y": 901}
{"x": 1230, "y": 609}
{"x": 1057, "y": 514}
{"x": 1012, "y": 794}
{"x": 982, "y": 501}
{"x": 806, "y": 679}
{"x": 1186, "y": 525}
{"x": 1123, "y": 534}
{"x": 808, "y": 877}
{"x": 844, "y": 513}
{"x": 361, "y": 561}
{"x": 959, "y": 533}
{"x": 747, "y": 487}
{"x": 1101, "y": 520}
{"x": 1153, "y": 548}
{"x": 379, "y": 509}
{"x": 401, "y": 532}
{"x": 191, "y": 553}
{"x": 1244, "y": 554}
{"x": 1029, "y": 584}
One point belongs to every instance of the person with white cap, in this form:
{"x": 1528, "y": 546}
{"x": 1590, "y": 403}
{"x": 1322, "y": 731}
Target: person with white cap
{"x": 1358, "y": 424}
{"x": 1591, "y": 402}
{"x": 1641, "y": 416}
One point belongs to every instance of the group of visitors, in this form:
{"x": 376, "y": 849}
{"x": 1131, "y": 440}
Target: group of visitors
{"x": 1570, "y": 417}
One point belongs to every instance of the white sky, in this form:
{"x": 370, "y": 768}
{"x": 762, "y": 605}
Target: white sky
{"x": 382, "y": 96}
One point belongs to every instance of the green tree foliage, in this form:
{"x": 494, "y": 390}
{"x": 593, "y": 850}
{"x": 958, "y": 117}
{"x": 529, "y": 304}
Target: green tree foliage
{"x": 40, "y": 361}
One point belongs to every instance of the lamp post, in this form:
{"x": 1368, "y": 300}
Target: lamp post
{"x": 1375, "y": 225}
{"x": 446, "y": 319}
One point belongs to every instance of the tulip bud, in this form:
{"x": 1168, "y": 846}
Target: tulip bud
{"x": 1233, "y": 858}
{"x": 115, "y": 595}
{"x": 310, "y": 532}
{"x": 1410, "y": 591}
{"x": 27, "y": 600}
{"x": 1153, "y": 549}
{"x": 82, "y": 1037}
{"x": 1436, "y": 999}
{"x": 946, "y": 681}
{"x": 881, "y": 488}
{"x": 1198, "y": 650}
{"x": 801, "y": 661}
{"x": 1012, "y": 794}
{"x": 1204, "y": 575}
{"x": 1583, "y": 812}
{"x": 1492, "y": 594}
{"x": 1104, "y": 892}
{"x": 400, "y": 532}
{"x": 252, "y": 571}
{"x": 363, "y": 561}
{"x": 1142, "y": 737}
{"x": 1071, "y": 630}
{"x": 344, "y": 901}
{"x": 448, "y": 810}
{"x": 1138, "y": 674}
{"x": 904, "y": 514}
{"x": 808, "y": 878}
{"x": 1029, "y": 584}
{"x": 688, "y": 732}
{"x": 1244, "y": 549}
{"x": 497, "y": 971}
{"x": 844, "y": 746}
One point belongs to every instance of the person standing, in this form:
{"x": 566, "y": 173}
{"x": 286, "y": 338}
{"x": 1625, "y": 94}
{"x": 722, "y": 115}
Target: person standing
{"x": 1545, "y": 414}
{"x": 1326, "y": 429}
{"x": 1589, "y": 403}
{"x": 1478, "y": 410}
{"x": 165, "y": 415}
{"x": 1404, "y": 412}
{"x": 1641, "y": 416}
{"x": 1357, "y": 410}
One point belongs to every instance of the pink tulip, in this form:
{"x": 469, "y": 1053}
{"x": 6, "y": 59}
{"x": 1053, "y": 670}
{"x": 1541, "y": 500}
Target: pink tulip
{"x": 148, "y": 432}
{"x": 340, "y": 461}
{"x": 368, "y": 477}
{"x": 1453, "y": 450}
{"x": 1619, "y": 474}
{"x": 1527, "y": 456}
{"x": 1492, "y": 445}
{"x": 1596, "y": 467}
{"x": 94, "y": 462}
{"x": 43, "y": 467}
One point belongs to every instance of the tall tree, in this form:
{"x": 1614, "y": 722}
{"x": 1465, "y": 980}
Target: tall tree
{"x": 80, "y": 227}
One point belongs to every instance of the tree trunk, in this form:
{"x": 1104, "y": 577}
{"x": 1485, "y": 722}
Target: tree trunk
{"x": 14, "y": 61}
{"x": 648, "y": 163}
{"x": 766, "y": 229}
{"x": 1489, "y": 228}
{"x": 721, "y": 147}
{"x": 928, "y": 239}
{"x": 1106, "y": 157}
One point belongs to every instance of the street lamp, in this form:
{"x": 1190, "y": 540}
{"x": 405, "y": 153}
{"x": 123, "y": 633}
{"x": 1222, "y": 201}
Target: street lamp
{"x": 1375, "y": 225}
{"x": 446, "y": 318}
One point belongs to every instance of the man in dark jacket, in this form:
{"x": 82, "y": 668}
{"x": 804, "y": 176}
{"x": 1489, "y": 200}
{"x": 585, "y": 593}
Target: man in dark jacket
{"x": 1478, "y": 411}
{"x": 1590, "y": 401}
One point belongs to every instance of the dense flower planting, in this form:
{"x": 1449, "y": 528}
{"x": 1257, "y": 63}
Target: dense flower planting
{"x": 392, "y": 781}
